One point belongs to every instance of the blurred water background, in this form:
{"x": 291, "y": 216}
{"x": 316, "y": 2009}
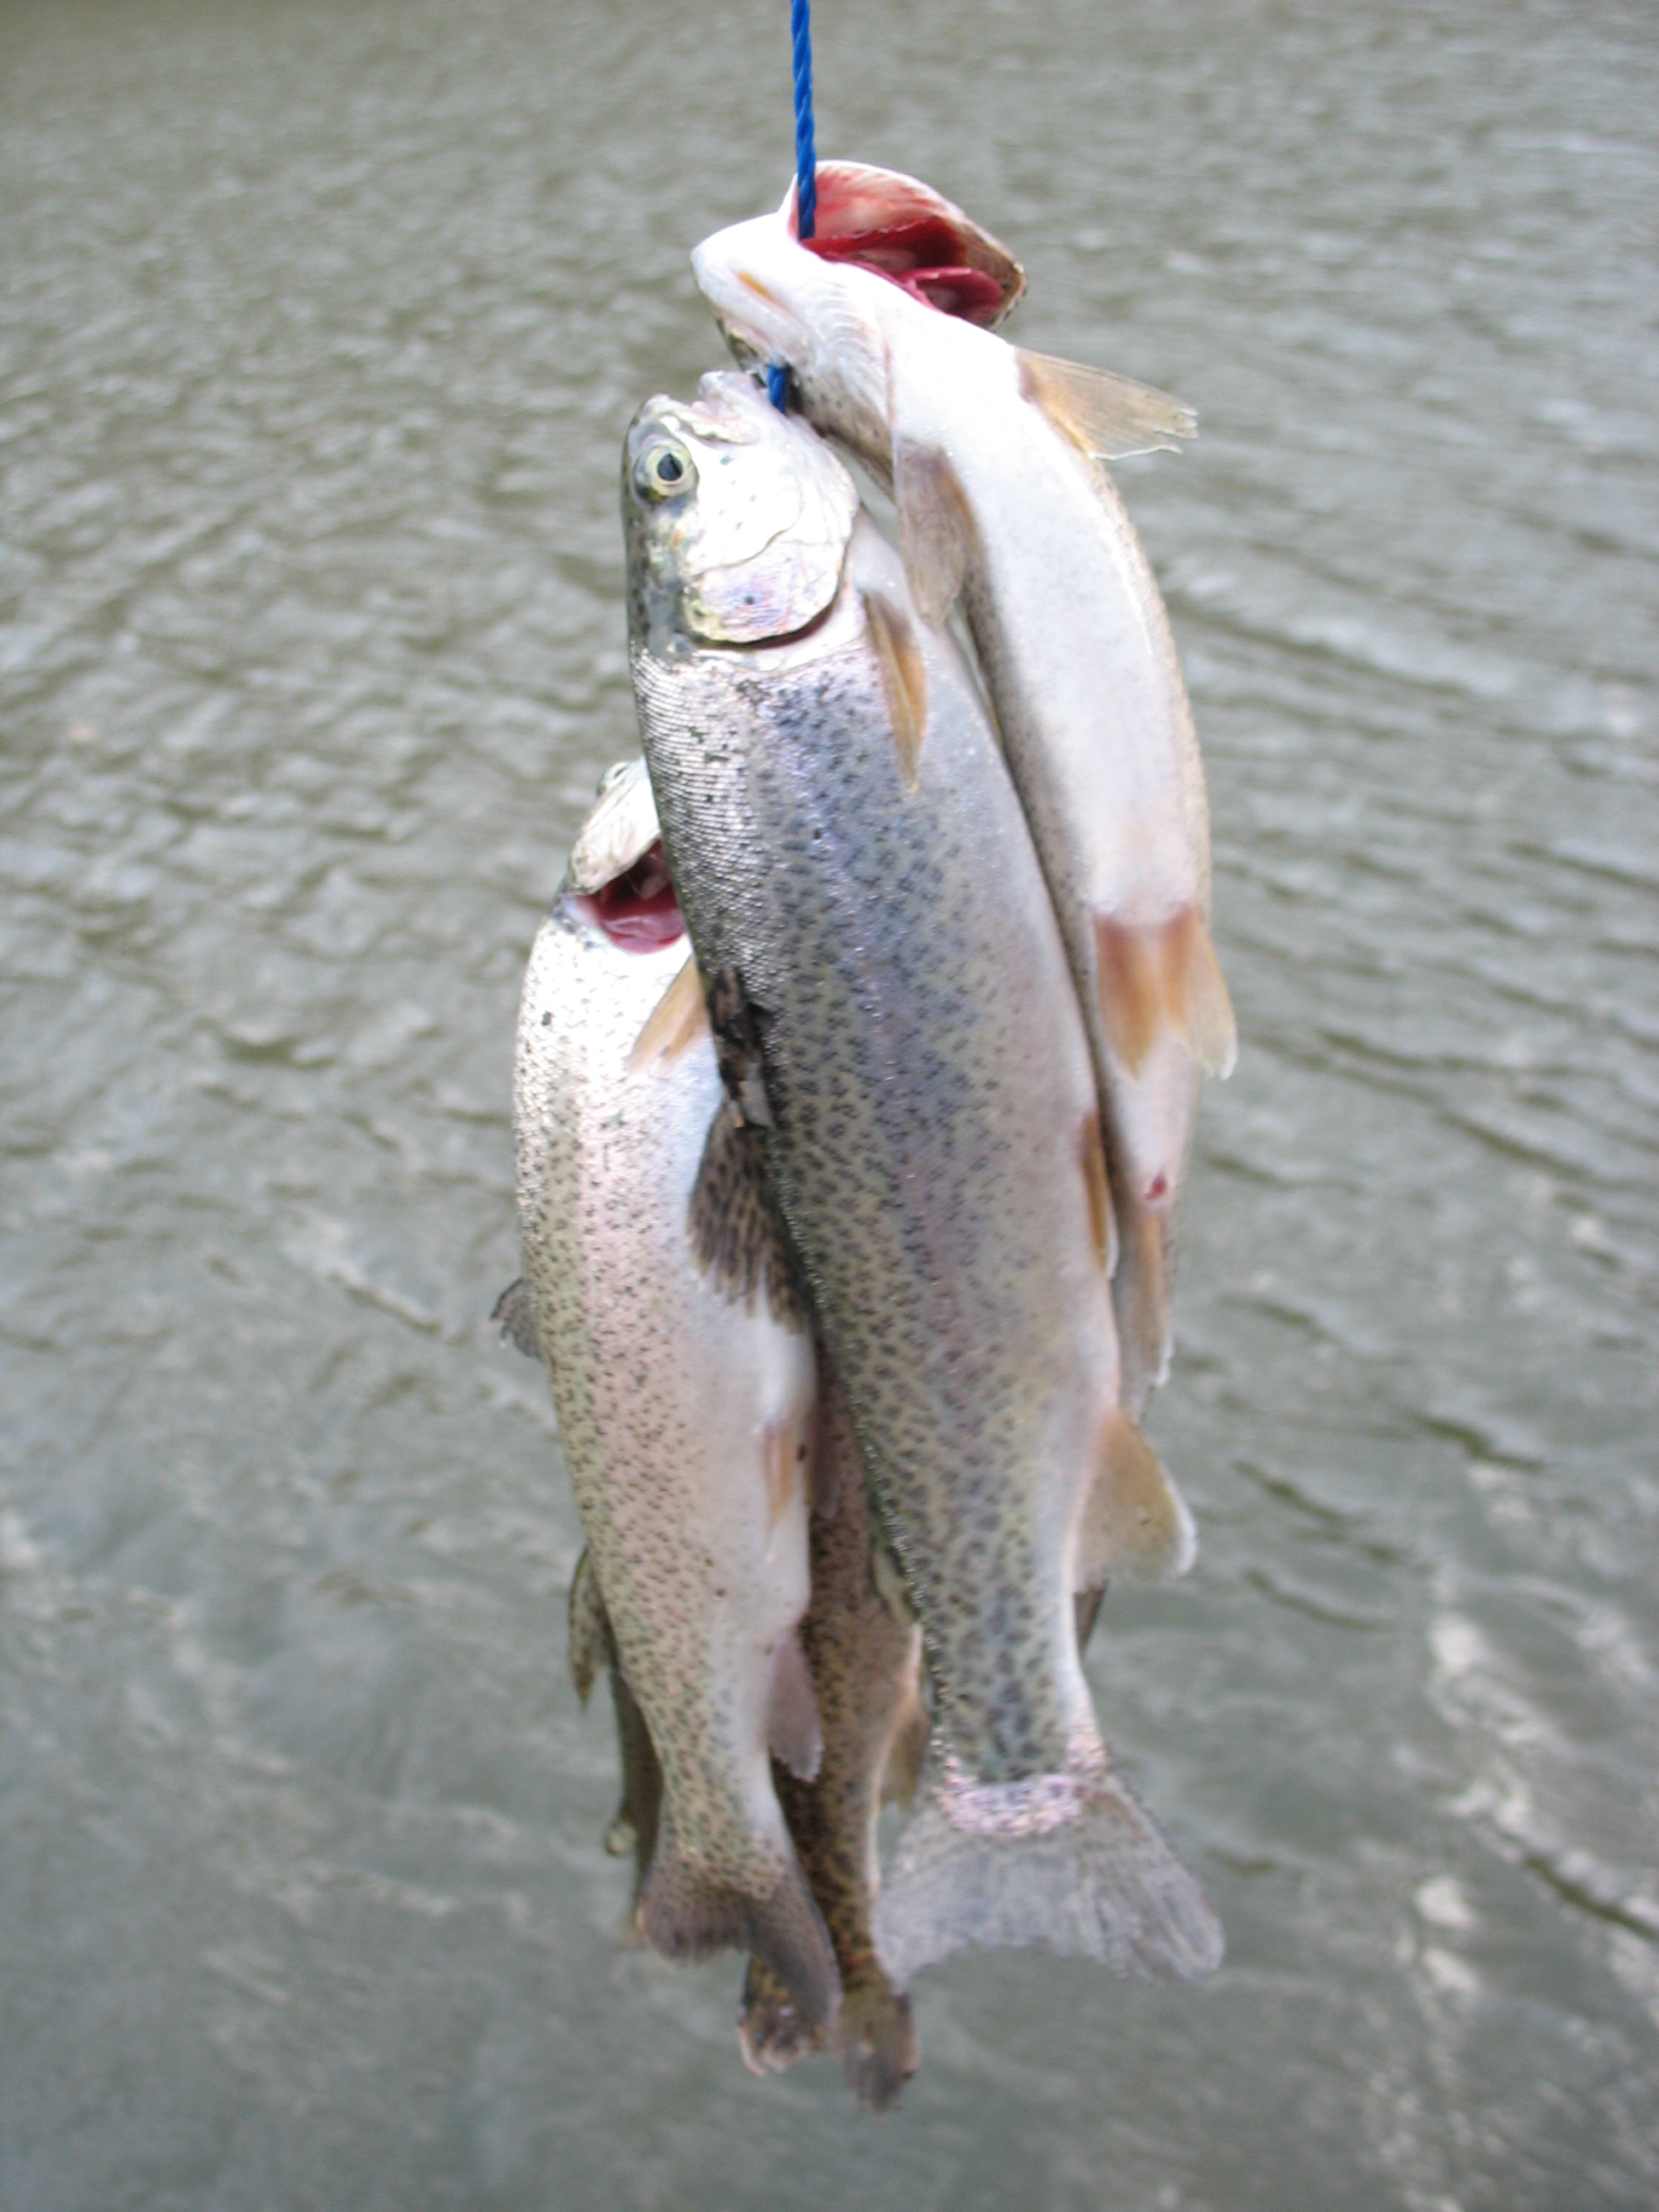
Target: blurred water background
{"x": 319, "y": 328}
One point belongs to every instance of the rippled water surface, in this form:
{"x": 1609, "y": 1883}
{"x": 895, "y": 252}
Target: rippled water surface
{"x": 319, "y": 329}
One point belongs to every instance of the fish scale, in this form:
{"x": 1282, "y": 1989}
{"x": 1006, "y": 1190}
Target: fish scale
{"x": 674, "y": 1407}
{"x": 925, "y": 1078}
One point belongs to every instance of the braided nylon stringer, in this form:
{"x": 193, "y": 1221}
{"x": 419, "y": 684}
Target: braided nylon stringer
{"x": 806, "y": 181}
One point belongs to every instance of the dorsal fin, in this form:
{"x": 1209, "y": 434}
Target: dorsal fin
{"x": 676, "y": 1020}
{"x": 903, "y": 680}
{"x": 1106, "y": 416}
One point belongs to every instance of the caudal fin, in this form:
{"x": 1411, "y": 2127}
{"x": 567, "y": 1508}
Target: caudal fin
{"x": 1105, "y": 1884}
{"x": 685, "y": 1913}
{"x": 877, "y": 2039}
{"x": 771, "y": 2032}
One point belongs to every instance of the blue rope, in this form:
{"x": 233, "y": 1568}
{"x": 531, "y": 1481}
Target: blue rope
{"x": 807, "y": 165}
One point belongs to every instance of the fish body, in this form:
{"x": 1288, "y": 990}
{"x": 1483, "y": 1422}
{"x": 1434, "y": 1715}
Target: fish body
{"x": 982, "y": 445}
{"x": 901, "y": 1039}
{"x": 865, "y": 1657}
{"x": 686, "y": 1419}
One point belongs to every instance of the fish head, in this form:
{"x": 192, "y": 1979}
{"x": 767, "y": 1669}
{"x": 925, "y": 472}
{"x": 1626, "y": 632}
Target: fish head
{"x": 821, "y": 305}
{"x": 737, "y": 519}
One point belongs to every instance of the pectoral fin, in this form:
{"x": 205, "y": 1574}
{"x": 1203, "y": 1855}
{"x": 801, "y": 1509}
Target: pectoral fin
{"x": 1166, "y": 977}
{"x": 1135, "y": 1523}
{"x": 679, "y": 1018}
{"x": 793, "y": 1733}
{"x": 904, "y": 681}
{"x": 1108, "y": 417}
{"x": 735, "y": 1020}
{"x": 737, "y": 1234}
{"x": 1103, "y": 1227}
{"x": 936, "y": 527}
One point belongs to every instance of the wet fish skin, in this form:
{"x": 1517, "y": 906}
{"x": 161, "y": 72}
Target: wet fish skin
{"x": 686, "y": 1422}
{"x": 997, "y": 502}
{"x": 922, "y": 1088}
{"x": 866, "y": 1665}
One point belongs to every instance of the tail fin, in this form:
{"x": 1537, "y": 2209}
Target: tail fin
{"x": 771, "y": 2033}
{"x": 877, "y": 2039}
{"x": 875, "y": 2034}
{"x": 1105, "y": 1883}
{"x": 685, "y": 1913}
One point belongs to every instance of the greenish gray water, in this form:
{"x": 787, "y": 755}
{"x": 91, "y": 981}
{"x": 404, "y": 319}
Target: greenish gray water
{"x": 319, "y": 329}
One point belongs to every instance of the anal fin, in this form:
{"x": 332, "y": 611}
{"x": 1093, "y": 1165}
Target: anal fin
{"x": 591, "y": 1647}
{"x": 1135, "y": 1521}
{"x": 908, "y": 1752}
{"x": 793, "y": 1733}
{"x": 677, "y": 1019}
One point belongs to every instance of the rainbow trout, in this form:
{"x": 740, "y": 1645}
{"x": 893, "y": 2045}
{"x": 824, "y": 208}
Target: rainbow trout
{"x": 904, "y": 1062}
{"x": 865, "y": 1655}
{"x": 687, "y": 1419}
{"x": 992, "y": 455}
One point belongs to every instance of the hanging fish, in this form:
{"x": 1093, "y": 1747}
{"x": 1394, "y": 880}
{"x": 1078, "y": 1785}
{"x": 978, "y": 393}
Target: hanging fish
{"x": 864, "y": 1654}
{"x": 993, "y": 455}
{"x": 687, "y": 1419}
{"x": 905, "y": 1065}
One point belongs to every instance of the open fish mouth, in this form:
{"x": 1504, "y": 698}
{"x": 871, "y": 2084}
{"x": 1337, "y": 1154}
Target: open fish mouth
{"x": 637, "y": 910}
{"x": 899, "y": 228}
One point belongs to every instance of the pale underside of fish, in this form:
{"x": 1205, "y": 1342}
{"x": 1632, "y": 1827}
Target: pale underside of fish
{"x": 687, "y": 1423}
{"x": 993, "y": 457}
{"x": 900, "y": 1038}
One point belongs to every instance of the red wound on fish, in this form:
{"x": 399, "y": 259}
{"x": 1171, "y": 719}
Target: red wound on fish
{"x": 638, "y": 910}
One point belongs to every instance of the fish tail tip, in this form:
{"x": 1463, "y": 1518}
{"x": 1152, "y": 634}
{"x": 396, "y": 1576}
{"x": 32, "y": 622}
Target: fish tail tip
{"x": 686, "y": 1913}
{"x": 877, "y": 2037}
{"x": 772, "y": 2035}
{"x": 1105, "y": 1884}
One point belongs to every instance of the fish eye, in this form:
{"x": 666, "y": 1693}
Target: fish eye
{"x": 665, "y": 470}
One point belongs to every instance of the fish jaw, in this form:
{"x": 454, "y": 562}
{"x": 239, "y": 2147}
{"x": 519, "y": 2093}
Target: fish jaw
{"x": 775, "y": 301}
{"x": 736, "y": 519}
